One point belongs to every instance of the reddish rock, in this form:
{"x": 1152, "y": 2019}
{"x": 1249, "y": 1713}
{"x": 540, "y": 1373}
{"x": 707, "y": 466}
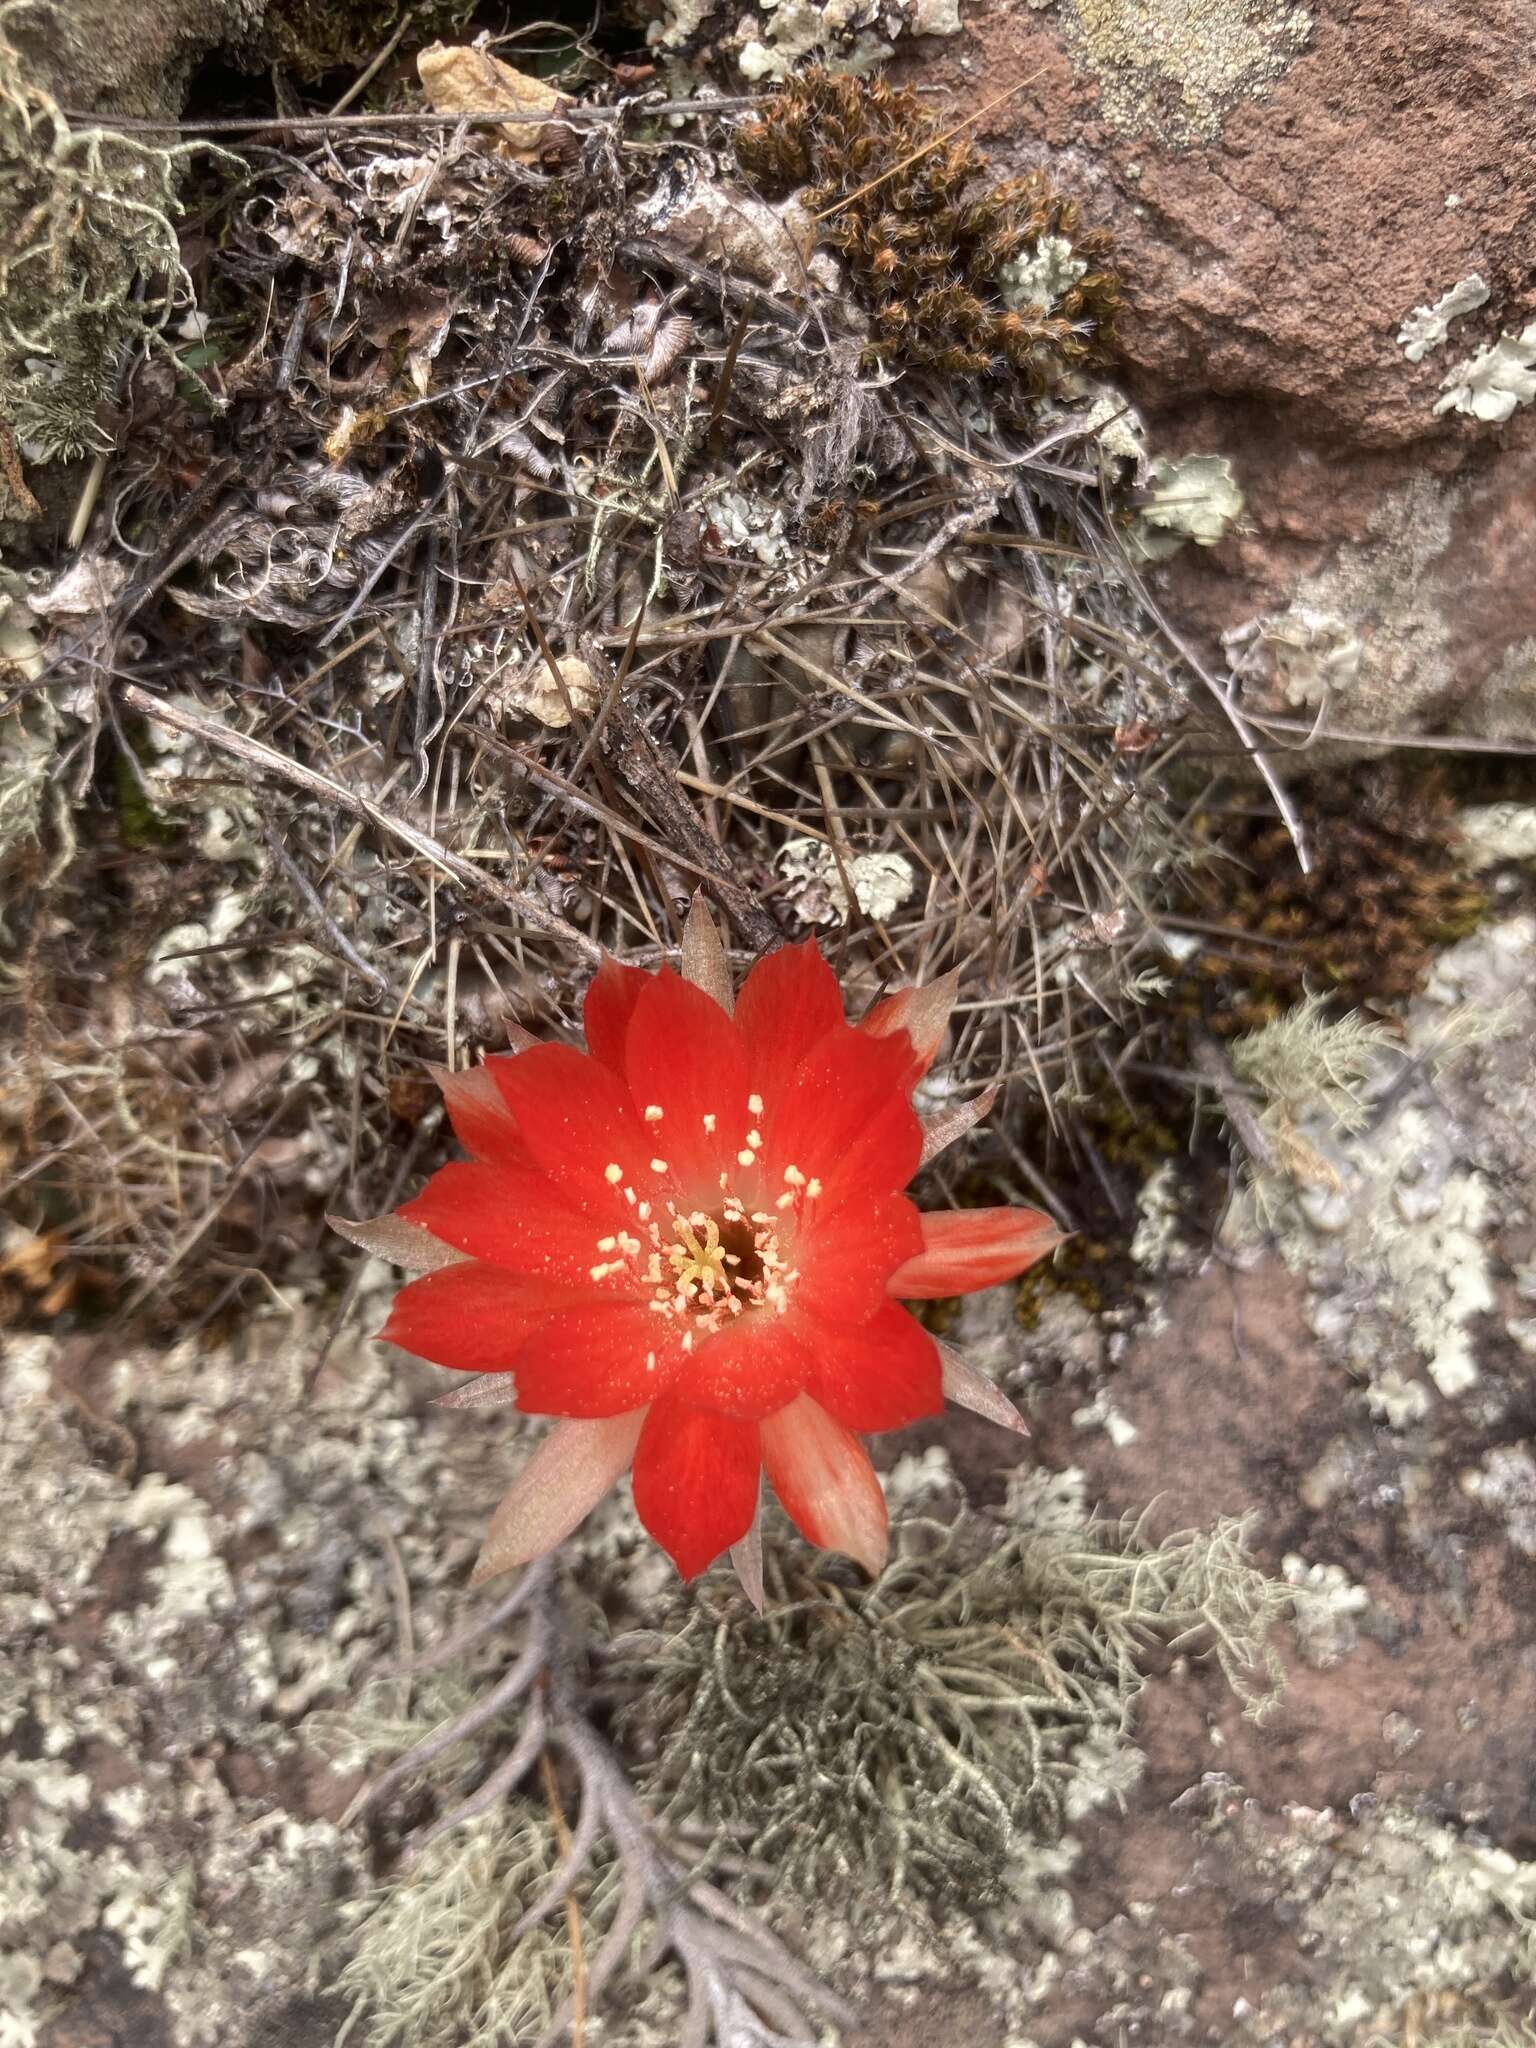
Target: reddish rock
{"x": 1285, "y": 189}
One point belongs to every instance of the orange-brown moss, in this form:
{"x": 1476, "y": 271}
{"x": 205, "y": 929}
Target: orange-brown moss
{"x": 924, "y": 250}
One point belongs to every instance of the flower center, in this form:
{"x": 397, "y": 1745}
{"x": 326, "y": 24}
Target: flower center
{"x": 712, "y": 1268}
{"x": 701, "y": 1267}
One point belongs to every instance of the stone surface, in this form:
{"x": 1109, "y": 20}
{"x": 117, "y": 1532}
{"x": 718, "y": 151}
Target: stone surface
{"x": 1287, "y": 188}
{"x": 100, "y": 57}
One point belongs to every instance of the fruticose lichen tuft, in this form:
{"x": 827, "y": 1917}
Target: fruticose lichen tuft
{"x": 88, "y": 255}
{"x": 909, "y": 1739}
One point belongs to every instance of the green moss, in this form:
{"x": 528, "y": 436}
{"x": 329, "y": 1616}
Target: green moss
{"x": 1386, "y": 892}
{"x": 141, "y": 825}
{"x": 312, "y": 37}
{"x": 1096, "y": 1273}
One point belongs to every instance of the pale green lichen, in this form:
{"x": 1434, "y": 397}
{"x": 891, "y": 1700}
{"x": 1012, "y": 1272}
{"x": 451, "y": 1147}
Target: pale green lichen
{"x": 1034, "y": 282}
{"x": 1304, "y": 655}
{"x": 1191, "y": 497}
{"x": 1175, "y": 67}
{"x": 1491, "y": 384}
{"x": 1427, "y": 327}
{"x": 826, "y": 890}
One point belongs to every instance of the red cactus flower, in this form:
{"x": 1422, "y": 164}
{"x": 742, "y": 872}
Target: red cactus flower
{"x": 690, "y": 1244}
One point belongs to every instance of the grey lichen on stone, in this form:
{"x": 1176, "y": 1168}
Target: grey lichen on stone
{"x": 1372, "y": 620}
{"x": 778, "y": 35}
{"x": 1175, "y": 67}
{"x": 1390, "y": 1220}
{"x": 1392, "y": 1905}
{"x": 1303, "y": 655}
{"x": 197, "y": 1889}
{"x": 1189, "y": 497}
{"x": 1426, "y": 327}
{"x": 1493, "y": 383}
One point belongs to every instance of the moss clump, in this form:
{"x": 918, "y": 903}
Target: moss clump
{"x": 1091, "y": 1270}
{"x": 1386, "y": 892}
{"x": 1000, "y": 280}
{"x": 904, "y": 1739}
{"x": 312, "y": 37}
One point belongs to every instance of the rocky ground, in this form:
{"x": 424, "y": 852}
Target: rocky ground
{"x": 219, "y": 1546}
{"x": 225, "y": 1540}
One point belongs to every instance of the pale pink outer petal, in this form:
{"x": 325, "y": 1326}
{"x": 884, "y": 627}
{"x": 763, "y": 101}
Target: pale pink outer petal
{"x": 968, "y": 1250}
{"x": 490, "y": 1390}
{"x": 476, "y": 1088}
{"x": 822, "y": 1474}
{"x": 747, "y": 1558}
{"x": 968, "y": 1388}
{"x": 519, "y": 1040}
{"x": 942, "y": 1130}
{"x": 558, "y": 1488}
{"x": 923, "y": 1013}
{"x": 704, "y": 960}
{"x": 403, "y": 1244}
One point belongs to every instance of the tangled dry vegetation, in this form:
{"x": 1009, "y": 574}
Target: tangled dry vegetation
{"x": 609, "y": 1828}
{"x": 536, "y": 522}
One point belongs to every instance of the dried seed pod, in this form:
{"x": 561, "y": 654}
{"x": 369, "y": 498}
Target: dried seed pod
{"x": 667, "y": 344}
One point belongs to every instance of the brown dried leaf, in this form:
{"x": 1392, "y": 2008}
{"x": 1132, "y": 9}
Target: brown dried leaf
{"x": 458, "y": 80}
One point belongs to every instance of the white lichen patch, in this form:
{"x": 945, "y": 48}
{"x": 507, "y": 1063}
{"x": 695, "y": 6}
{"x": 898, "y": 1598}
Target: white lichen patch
{"x": 1303, "y": 655}
{"x": 1189, "y": 497}
{"x": 1426, "y": 327}
{"x": 1101, "y": 1413}
{"x": 1491, "y": 384}
{"x": 1327, "y": 1610}
{"x": 1492, "y": 833}
{"x": 1505, "y": 1484}
{"x": 746, "y": 524}
{"x": 1034, "y": 281}
{"x": 824, "y": 891}
{"x": 1380, "y": 1195}
{"x": 1158, "y": 1243}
